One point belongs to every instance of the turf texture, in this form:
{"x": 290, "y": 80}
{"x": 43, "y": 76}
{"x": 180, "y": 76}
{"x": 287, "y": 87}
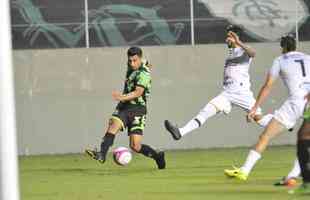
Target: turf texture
{"x": 190, "y": 175}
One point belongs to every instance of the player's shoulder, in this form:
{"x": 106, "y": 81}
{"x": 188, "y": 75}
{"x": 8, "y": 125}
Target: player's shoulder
{"x": 307, "y": 56}
{"x": 238, "y": 50}
{"x": 293, "y": 55}
{"x": 278, "y": 59}
{"x": 286, "y": 56}
{"x": 144, "y": 72}
{"x": 145, "y": 68}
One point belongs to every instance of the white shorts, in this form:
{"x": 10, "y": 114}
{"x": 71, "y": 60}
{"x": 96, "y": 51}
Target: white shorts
{"x": 290, "y": 111}
{"x": 226, "y": 100}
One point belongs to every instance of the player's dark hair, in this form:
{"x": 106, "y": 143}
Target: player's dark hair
{"x": 132, "y": 51}
{"x": 288, "y": 42}
{"x": 234, "y": 28}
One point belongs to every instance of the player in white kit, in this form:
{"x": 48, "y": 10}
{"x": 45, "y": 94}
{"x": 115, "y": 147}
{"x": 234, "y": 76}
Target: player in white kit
{"x": 236, "y": 85}
{"x": 294, "y": 69}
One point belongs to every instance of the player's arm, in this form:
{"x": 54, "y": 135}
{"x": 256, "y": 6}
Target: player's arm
{"x": 262, "y": 95}
{"x": 235, "y": 39}
{"x": 249, "y": 50}
{"x": 129, "y": 96}
{"x": 265, "y": 90}
{"x": 143, "y": 81}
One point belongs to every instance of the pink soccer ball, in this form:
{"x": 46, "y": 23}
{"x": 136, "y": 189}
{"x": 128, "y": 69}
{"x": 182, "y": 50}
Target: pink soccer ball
{"x": 122, "y": 156}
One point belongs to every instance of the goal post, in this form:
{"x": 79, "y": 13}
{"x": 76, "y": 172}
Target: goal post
{"x": 8, "y": 144}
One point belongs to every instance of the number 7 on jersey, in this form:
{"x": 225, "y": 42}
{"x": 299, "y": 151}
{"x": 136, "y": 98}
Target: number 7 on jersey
{"x": 302, "y": 64}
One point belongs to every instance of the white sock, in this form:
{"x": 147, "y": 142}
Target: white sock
{"x": 295, "y": 172}
{"x": 250, "y": 162}
{"x": 208, "y": 111}
{"x": 265, "y": 120}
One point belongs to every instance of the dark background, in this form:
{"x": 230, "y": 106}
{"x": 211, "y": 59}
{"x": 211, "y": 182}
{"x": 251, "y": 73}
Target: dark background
{"x": 60, "y": 24}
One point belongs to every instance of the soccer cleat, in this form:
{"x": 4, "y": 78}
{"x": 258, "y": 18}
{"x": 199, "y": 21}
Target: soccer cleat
{"x": 95, "y": 155}
{"x": 289, "y": 182}
{"x": 236, "y": 173}
{"x": 304, "y": 189}
{"x": 174, "y": 131}
{"x": 160, "y": 160}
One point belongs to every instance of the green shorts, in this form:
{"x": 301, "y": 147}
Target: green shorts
{"x": 131, "y": 118}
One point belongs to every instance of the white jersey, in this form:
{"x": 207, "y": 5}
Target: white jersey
{"x": 236, "y": 71}
{"x": 294, "y": 70}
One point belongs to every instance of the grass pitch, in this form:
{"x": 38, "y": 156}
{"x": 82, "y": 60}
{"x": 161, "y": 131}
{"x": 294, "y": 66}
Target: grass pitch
{"x": 190, "y": 175}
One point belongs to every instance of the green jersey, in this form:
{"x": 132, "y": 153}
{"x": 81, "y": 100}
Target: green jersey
{"x": 140, "y": 77}
{"x": 307, "y": 113}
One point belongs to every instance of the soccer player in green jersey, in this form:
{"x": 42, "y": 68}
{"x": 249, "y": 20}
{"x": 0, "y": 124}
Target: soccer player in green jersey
{"x": 131, "y": 111}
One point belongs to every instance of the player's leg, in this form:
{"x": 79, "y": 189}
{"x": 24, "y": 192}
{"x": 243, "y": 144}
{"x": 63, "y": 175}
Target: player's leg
{"x": 136, "y": 124}
{"x": 208, "y": 111}
{"x": 291, "y": 179}
{"x": 303, "y": 152}
{"x": 295, "y": 171}
{"x": 263, "y": 120}
{"x": 216, "y": 105}
{"x": 246, "y": 101}
{"x": 115, "y": 125}
{"x": 273, "y": 129}
{"x": 146, "y": 150}
{"x": 285, "y": 117}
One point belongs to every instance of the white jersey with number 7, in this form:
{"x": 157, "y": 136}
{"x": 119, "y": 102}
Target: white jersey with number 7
{"x": 294, "y": 70}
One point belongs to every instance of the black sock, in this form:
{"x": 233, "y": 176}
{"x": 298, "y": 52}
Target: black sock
{"x": 148, "y": 151}
{"x": 108, "y": 140}
{"x": 303, "y": 152}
